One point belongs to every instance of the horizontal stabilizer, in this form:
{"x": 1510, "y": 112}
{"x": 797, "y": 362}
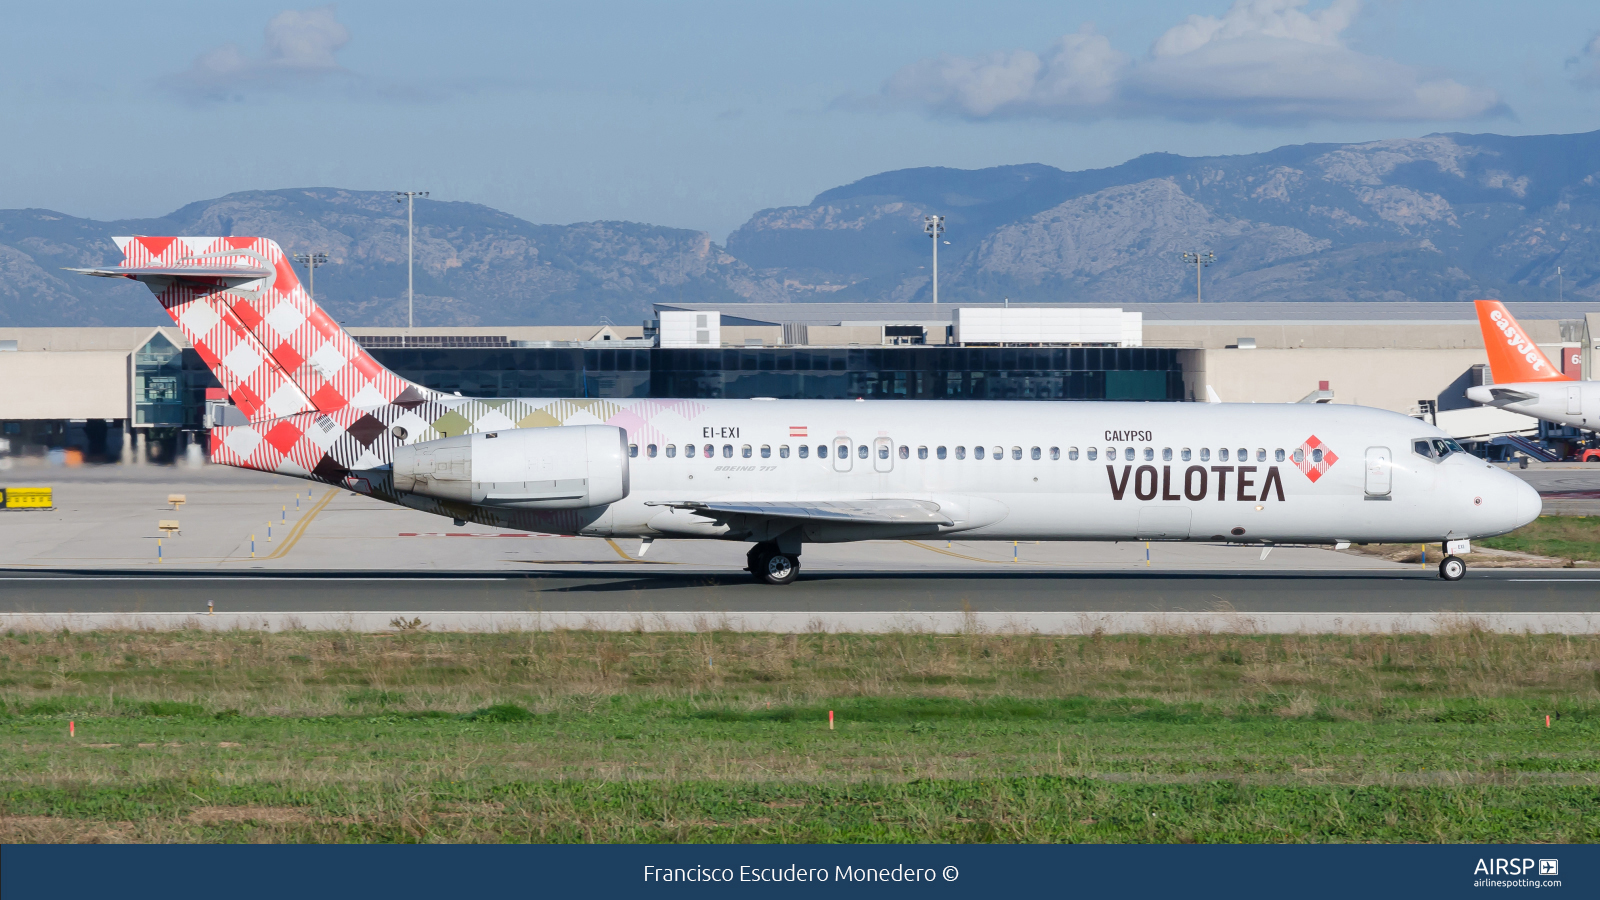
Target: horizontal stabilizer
{"x": 207, "y": 274}
{"x": 858, "y": 512}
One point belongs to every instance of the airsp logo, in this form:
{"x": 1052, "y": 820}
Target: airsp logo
{"x": 1549, "y": 867}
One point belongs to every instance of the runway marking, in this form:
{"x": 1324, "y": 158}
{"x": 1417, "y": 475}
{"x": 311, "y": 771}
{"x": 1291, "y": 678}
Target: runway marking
{"x": 299, "y": 529}
{"x": 154, "y": 577}
{"x": 949, "y": 553}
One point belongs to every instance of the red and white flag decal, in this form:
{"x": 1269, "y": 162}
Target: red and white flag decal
{"x": 797, "y": 431}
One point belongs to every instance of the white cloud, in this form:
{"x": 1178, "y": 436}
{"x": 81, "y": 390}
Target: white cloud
{"x": 299, "y": 46}
{"x": 1262, "y": 61}
{"x": 1587, "y": 65}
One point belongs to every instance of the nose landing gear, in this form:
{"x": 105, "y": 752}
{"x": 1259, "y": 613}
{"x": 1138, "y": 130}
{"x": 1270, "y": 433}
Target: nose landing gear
{"x": 1452, "y": 568}
{"x": 771, "y": 565}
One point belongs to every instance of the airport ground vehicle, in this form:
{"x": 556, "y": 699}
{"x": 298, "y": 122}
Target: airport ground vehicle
{"x": 778, "y": 474}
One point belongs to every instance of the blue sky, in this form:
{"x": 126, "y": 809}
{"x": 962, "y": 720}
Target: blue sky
{"x": 697, "y": 114}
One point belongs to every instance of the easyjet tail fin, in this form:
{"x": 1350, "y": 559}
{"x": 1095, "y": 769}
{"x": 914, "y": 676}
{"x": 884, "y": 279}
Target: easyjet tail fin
{"x": 1513, "y": 356}
{"x": 237, "y": 300}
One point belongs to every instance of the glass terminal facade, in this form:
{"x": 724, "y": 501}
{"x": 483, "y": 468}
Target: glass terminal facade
{"x": 905, "y": 373}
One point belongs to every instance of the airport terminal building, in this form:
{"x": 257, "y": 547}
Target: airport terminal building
{"x": 142, "y": 394}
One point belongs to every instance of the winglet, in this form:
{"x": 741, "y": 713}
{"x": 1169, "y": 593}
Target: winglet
{"x": 1513, "y": 356}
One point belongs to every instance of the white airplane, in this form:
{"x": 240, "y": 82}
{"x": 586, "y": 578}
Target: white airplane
{"x": 1525, "y": 381}
{"x": 779, "y": 474}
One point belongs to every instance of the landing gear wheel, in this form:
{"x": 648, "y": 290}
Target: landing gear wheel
{"x": 778, "y": 568}
{"x": 1452, "y": 568}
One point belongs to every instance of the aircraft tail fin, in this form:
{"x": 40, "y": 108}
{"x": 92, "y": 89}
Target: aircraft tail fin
{"x": 238, "y": 301}
{"x": 1513, "y": 356}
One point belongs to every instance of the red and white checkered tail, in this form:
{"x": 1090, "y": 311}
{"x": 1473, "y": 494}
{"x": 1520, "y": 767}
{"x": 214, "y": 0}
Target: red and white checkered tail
{"x": 237, "y": 300}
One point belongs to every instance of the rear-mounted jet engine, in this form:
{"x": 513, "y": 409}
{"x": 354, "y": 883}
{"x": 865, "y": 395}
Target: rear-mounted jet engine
{"x": 562, "y": 467}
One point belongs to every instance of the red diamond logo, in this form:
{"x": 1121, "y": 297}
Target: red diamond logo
{"x": 1314, "y": 458}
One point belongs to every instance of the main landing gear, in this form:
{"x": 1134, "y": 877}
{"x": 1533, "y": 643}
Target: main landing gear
{"x": 1452, "y": 568}
{"x": 770, "y": 565}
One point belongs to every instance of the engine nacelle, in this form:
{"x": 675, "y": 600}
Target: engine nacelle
{"x": 563, "y": 467}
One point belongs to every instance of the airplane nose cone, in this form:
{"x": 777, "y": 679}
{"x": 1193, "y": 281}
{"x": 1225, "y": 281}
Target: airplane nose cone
{"x": 1528, "y": 502}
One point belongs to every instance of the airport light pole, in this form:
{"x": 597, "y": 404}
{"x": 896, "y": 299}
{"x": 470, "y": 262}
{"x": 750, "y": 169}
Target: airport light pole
{"x": 409, "y": 199}
{"x": 933, "y": 226}
{"x": 311, "y": 261}
{"x": 1200, "y": 261}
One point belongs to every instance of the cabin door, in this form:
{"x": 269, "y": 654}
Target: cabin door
{"x": 1380, "y": 471}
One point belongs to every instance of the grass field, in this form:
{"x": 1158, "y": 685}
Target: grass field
{"x": 577, "y": 736}
{"x": 1565, "y": 537}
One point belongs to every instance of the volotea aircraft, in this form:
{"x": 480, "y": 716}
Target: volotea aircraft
{"x": 778, "y": 474}
{"x": 1525, "y": 381}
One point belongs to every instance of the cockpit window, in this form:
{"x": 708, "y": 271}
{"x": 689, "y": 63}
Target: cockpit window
{"x": 1444, "y": 447}
{"x": 1422, "y": 448}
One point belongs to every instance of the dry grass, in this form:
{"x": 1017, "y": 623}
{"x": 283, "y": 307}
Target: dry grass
{"x": 723, "y": 736}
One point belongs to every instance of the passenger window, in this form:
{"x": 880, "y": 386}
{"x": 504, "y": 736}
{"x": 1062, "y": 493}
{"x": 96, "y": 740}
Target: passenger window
{"x": 883, "y": 452}
{"x": 766, "y": 451}
{"x": 1055, "y": 453}
{"x": 727, "y": 451}
{"x": 1016, "y": 452}
{"x": 744, "y": 451}
{"x": 672, "y": 450}
{"x": 939, "y": 453}
{"x": 922, "y": 453}
{"x": 1261, "y": 454}
{"x": 1127, "y": 453}
{"x": 805, "y": 450}
{"x": 1149, "y": 454}
{"x": 1299, "y": 455}
{"x": 977, "y": 453}
{"x": 961, "y": 452}
{"x": 1316, "y": 455}
{"x": 650, "y": 451}
{"x": 633, "y": 451}
{"x": 1244, "y": 455}
{"x": 1166, "y": 454}
{"x": 1072, "y": 453}
{"x": 1205, "y": 454}
{"x": 861, "y": 451}
{"x": 1422, "y": 448}
{"x": 1092, "y": 452}
{"x": 1185, "y": 454}
{"x": 710, "y": 451}
{"x": 1222, "y": 455}
{"x": 999, "y": 453}
{"x": 783, "y": 451}
{"x": 688, "y": 451}
{"x": 905, "y": 452}
{"x": 822, "y": 451}
{"x": 1035, "y": 453}
{"x": 1277, "y": 455}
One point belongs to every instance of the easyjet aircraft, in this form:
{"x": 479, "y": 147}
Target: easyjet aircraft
{"x": 778, "y": 474}
{"x": 1524, "y": 379}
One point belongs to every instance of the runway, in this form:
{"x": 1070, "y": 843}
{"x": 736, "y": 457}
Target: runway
{"x": 624, "y": 590}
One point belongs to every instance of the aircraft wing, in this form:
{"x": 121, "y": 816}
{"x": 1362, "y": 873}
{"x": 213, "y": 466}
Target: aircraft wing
{"x": 858, "y": 512}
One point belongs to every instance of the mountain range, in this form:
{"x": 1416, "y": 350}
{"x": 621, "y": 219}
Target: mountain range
{"x": 1441, "y": 217}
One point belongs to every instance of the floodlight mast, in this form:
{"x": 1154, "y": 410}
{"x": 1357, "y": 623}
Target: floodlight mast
{"x": 311, "y": 261}
{"x": 1200, "y": 260}
{"x": 409, "y": 199}
{"x": 933, "y": 226}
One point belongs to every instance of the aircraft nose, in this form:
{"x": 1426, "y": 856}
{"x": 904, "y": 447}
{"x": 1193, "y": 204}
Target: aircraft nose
{"x": 1528, "y": 502}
